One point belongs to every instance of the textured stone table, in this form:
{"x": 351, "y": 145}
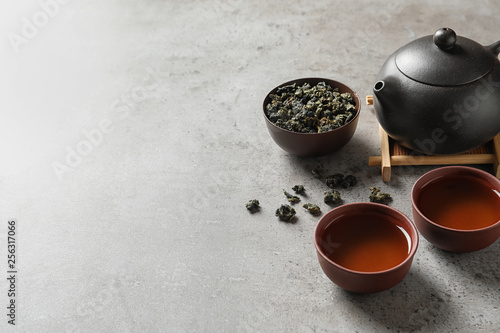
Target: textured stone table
{"x": 132, "y": 137}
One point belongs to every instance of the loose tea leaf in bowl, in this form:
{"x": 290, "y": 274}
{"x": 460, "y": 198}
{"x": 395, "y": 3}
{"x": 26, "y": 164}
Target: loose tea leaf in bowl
{"x": 307, "y": 124}
{"x": 310, "y": 109}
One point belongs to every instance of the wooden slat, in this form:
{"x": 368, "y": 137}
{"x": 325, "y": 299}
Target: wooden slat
{"x": 399, "y": 149}
{"x": 386, "y": 155}
{"x": 496, "y": 149}
{"x": 369, "y": 100}
{"x": 434, "y": 160}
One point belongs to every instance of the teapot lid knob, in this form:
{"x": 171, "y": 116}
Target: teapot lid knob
{"x": 445, "y": 38}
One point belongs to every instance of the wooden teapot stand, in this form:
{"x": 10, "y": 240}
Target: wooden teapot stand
{"x": 394, "y": 154}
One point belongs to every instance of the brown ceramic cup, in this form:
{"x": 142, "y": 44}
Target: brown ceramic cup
{"x": 313, "y": 144}
{"x": 447, "y": 238}
{"x": 363, "y": 281}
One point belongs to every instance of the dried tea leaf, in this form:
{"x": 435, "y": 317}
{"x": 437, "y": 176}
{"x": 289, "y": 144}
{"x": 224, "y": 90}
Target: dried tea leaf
{"x": 253, "y": 205}
{"x": 318, "y": 171}
{"x": 380, "y": 197}
{"x": 299, "y": 189}
{"x": 339, "y": 179}
{"x": 349, "y": 181}
{"x": 285, "y": 213}
{"x": 291, "y": 198}
{"x": 313, "y": 209}
{"x": 332, "y": 197}
{"x": 334, "y": 180}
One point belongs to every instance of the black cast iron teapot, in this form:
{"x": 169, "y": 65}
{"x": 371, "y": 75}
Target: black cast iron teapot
{"x": 440, "y": 94}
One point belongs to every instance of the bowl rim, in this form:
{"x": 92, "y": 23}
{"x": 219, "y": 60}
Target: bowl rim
{"x": 319, "y": 79}
{"x": 474, "y": 172}
{"x": 379, "y": 208}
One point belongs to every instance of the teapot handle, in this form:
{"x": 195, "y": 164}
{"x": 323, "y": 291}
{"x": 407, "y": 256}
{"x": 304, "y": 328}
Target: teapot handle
{"x": 494, "y": 48}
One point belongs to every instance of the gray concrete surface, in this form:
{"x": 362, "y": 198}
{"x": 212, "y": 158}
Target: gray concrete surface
{"x": 132, "y": 137}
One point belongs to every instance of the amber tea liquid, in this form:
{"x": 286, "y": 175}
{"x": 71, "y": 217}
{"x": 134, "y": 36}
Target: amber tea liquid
{"x": 367, "y": 243}
{"x": 460, "y": 203}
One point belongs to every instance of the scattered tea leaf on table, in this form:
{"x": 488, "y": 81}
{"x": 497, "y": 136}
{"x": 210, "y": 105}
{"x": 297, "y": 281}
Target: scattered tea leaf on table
{"x": 318, "y": 171}
{"x": 299, "y": 189}
{"x": 349, "y": 181}
{"x": 313, "y": 209}
{"x": 377, "y": 196}
{"x": 253, "y": 205}
{"x": 285, "y": 213}
{"x": 291, "y": 198}
{"x": 335, "y": 180}
{"x": 332, "y": 197}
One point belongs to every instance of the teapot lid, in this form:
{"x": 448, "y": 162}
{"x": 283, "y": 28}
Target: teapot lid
{"x": 444, "y": 59}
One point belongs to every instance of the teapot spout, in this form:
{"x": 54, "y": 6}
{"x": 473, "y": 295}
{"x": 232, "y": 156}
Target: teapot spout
{"x": 494, "y": 48}
{"x": 382, "y": 91}
{"x": 386, "y": 93}
{"x": 379, "y": 86}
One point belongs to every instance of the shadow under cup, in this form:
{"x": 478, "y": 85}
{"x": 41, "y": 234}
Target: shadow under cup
{"x": 365, "y": 247}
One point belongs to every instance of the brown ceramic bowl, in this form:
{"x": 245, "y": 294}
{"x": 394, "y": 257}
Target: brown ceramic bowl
{"x": 313, "y": 144}
{"x": 365, "y": 247}
{"x": 448, "y": 234}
